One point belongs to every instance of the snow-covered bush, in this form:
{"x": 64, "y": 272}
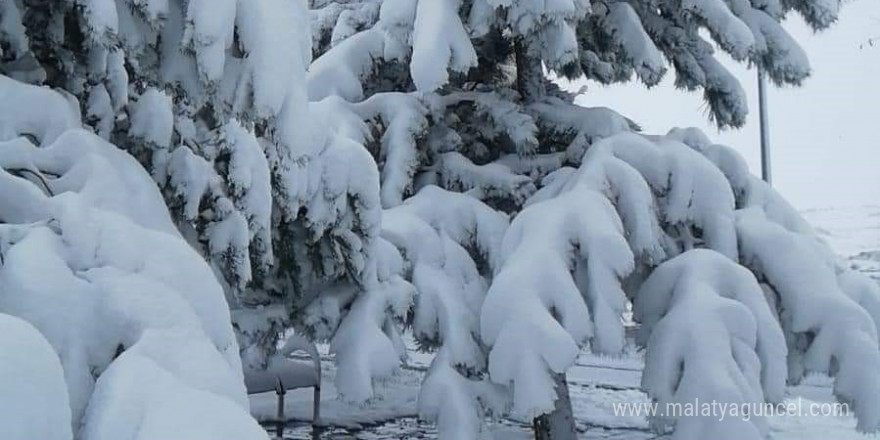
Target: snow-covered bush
{"x": 138, "y": 339}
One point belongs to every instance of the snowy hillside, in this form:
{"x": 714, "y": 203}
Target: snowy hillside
{"x": 854, "y": 233}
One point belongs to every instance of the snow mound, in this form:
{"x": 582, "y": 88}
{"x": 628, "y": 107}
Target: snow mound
{"x": 92, "y": 260}
{"x": 33, "y": 389}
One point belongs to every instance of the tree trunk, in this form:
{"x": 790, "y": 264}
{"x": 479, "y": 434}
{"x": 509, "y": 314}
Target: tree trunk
{"x": 559, "y": 424}
{"x": 529, "y": 73}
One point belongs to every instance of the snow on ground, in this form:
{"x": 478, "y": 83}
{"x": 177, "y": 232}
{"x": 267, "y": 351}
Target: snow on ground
{"x": 853, "y": 232}
{"x": 596, "y": 382}
{"x": 396, "y": 398}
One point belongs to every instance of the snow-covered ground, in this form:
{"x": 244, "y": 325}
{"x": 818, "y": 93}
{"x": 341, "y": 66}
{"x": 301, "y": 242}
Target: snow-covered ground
{"x": 853, "y": 232}
{"x": 596, "y": 383}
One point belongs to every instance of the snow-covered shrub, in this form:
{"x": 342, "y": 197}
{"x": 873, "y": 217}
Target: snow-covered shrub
{"x": 90, "y": 257}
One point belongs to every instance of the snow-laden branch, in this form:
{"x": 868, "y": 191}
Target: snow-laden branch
{"x": 429, "y": 261}
{"x": 335, "y": 189}
{"x": 647, "y": 199}
{"x": 624, "y": 25}
{"x": 440, "y": 234}
{"x": 439, "y": 43}
{"x": 583, "y": 125}
{"x": 342, "y": 70}
{"x": 572, "y": 236}
{"x": 404, "y": 119}
{"x": 367, "y": 343}
{"x": 400, "y": 117}
{"x": 701, "y": 312}
{"x": 827, "y": 330}
{"x": 537, "y": 312}
{"x": 50, "y": 115}
{"x": 828, "y": 312}
{"x": 493, "y": 180}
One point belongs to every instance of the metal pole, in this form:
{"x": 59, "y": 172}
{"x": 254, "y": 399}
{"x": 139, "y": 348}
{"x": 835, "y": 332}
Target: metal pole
{"x": 280, "y": 391}
{"x": 765, "y": 128}
{"x": 316, "y": 407}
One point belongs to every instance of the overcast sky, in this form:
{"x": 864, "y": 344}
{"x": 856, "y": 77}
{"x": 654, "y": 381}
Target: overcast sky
{"x": 825, "y": 135}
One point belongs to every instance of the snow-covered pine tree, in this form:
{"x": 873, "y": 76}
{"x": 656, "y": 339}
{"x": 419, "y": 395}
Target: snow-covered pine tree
{"x": 188, "y": 88}
{"x": 453, "y": 94}
{"x": 113, "y": 327}
{"x": 210, "y": 96}
{"x": 450, "y": 97}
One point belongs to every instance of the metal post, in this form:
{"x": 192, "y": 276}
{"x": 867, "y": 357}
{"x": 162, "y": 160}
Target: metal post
{"x": 316, "y": 407}
{"x": 280, "y": 391}
{"x": 765, "y": 128}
